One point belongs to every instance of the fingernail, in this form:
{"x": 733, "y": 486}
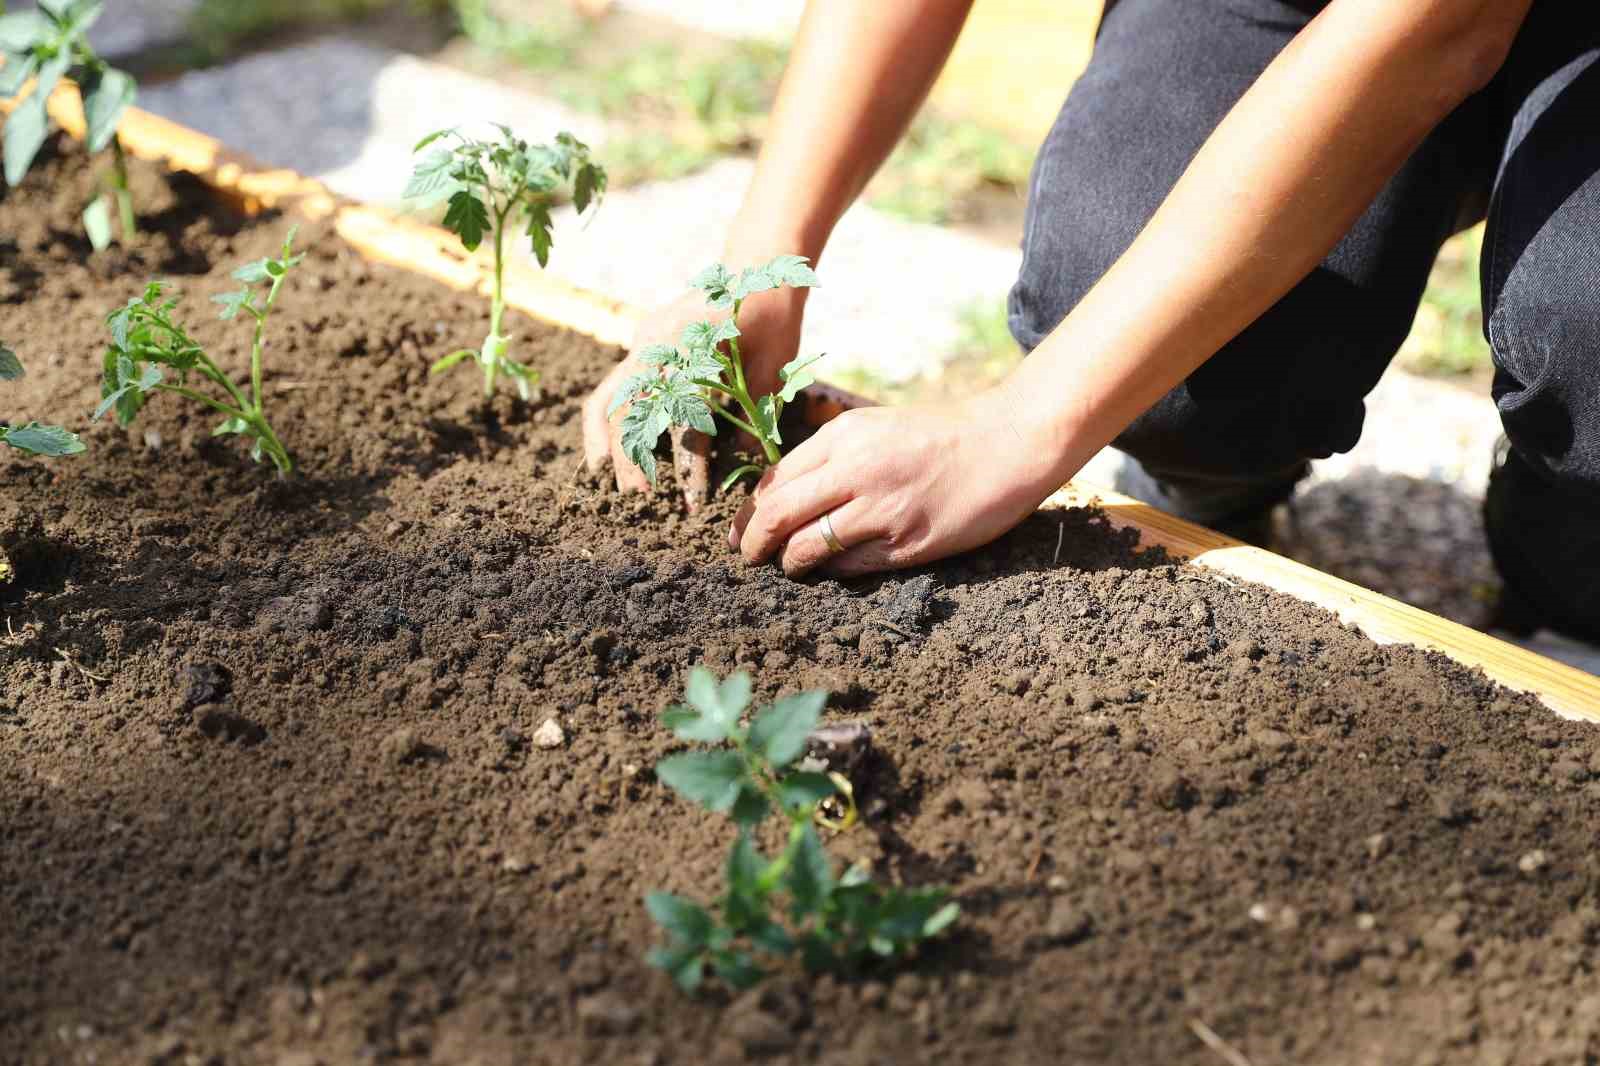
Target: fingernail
{"x": 733, "y": 537}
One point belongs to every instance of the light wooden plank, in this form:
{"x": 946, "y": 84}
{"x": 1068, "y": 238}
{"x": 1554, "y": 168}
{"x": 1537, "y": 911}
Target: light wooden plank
{"x": 435, "y": 253}
{"x": 1568, "y": 691}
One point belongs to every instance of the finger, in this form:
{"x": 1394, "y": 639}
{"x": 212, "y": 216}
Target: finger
{"x": 869, "y": 557}
{"x": 629, "y": 477}
{"x": 748, "y": 508}
{"x": 793, "y": 467}
{"x": 807, "y": 549}
{"x": 781, "y": 511}
{"x": 691, "y": 457}
{"x": 596, "y": 426}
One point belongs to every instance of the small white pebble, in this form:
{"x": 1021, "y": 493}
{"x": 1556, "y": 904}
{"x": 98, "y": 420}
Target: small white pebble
{"x": 550, "y": 735}
{"x": 1056, "y": 883}
{"x": 630, "y": 769}
{"x": 152, "y": 439}
{"x": 1260, "y": 912}
{"x": 1366, "y": 922}
{"x": 1533, "y": 861}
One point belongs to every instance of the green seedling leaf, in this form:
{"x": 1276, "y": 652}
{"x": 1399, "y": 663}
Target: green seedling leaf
{"x": 97, "y": 223}
{"x": 145, "y": 337}
{"x": 430, "y": 138}
{"x": 714, "y": 709}
{"x": 255, "y": 273}
{"x": 25, "y": 131}
{"x": 778, "y": 734}
{"x": 493, "y": 186}
{"x": 751, "y": 808}
{"x": 810, "y": 879}
{"x": 793, "y": 271}
{"x": 685, "y": 965}
{"x": 539, "y": 231}
{"x": 803, "y": 791}
{"x": 833, "y": 923}
{"x": 467, "y": 218}
{"x": 19, "y": 67}
{"x": 736, "y": 968}
{"x": 795, "y": 376}
{"x": 717, "y": 283}
{"x": 451, "y": 360}
{"x": 687, "y": 921}
{"x": 22, "y": 31}
{"x": 107, "y": 95}
{"x": 747, "y": 470}
{"x": 588, "y": 187}
{"x": 232, "y": 303}
{"x": 10, "y": 366}
{"x": 709, "y": 778}
{"x": 49, "y": 441}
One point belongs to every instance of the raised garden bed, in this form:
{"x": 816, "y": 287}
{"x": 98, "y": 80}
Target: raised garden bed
{"x": 269, "y": 785}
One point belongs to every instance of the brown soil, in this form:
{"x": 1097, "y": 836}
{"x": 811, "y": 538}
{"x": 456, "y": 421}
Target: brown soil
{"x": 268, "y": 790}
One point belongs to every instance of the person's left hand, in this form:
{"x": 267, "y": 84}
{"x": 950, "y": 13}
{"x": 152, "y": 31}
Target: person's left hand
{"x": 902, "y": 487}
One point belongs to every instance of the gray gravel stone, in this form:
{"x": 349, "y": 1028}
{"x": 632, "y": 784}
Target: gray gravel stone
{"x": 349, "y": 114}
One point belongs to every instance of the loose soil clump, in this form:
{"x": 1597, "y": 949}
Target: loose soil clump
{"x": 355, "y": 766}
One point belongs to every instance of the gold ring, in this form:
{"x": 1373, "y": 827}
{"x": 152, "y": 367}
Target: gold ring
{"x": 825, "y": 525}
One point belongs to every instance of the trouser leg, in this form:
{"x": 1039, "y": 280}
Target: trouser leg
{"x": 1238, "y": 433}
{"x": 1541, "y": 280}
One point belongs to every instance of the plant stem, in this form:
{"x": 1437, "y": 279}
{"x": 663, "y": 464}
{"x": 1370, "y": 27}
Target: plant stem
{"x": 119, "y": 188}
{"x": 497, "y": 307}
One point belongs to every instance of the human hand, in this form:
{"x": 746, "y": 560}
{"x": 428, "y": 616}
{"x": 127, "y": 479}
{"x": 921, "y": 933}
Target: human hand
{"x": 769, "y": 326}
{"x": 902, "y": 487}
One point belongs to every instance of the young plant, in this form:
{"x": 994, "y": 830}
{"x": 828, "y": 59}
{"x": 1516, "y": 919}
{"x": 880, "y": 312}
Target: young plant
{"x": 144, "y": 338}
{"x": 47, "y": 44}
{"x": 497, "y": 188}
{"x": 791, "y": 904}
{"x": 707, "y": 359}
{"x": 31, "y": 437}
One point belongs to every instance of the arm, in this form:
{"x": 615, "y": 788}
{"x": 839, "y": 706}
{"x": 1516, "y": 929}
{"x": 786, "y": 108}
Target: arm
{"x": 1272, "y": 191}
{"x": 856, "y": 76}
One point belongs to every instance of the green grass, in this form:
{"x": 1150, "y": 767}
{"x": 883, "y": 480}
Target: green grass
{"x": 942, "y": 164}
{"x": 1447, "y": 337}
{"x": 219, "y": 28}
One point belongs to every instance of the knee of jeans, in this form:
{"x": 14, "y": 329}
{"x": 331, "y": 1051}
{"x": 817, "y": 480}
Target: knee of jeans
{"x": 1545, "y": 337}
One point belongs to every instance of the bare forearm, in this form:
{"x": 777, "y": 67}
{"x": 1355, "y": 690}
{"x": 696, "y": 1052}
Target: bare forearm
{"x": 1274, "y": 189}
{"x": 857, "y": 74}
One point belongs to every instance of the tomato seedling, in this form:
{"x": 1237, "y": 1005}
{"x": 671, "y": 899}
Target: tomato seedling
{"x": 31, "y": 437}
{"x": 144, "y": 338}
{"x": 705, "y": 360}
{"x": 496, "y": 188}
{"x": 47, "y": 44}
{"x": 791, "y": 904}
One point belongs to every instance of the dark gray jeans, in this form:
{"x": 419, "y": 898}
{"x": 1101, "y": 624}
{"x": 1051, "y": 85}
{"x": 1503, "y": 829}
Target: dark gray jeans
{"x": 1235, "y": 437}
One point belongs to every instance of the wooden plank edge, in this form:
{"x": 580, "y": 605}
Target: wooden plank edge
{"x": 1568, "y": 691}
{"x": 434, "y": 252}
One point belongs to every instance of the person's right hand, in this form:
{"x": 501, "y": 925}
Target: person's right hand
{"x": 769, "y": 325}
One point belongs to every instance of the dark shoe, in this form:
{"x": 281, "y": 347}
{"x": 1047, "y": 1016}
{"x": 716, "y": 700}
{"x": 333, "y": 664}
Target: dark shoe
{"x": 1242, "y": 509}
{"x": 1545, "y": 540}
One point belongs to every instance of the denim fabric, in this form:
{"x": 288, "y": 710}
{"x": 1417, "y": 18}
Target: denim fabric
{"x": 1291, "y": 387}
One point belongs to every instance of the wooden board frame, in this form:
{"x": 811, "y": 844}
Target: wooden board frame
{"x": 384, "y": 237}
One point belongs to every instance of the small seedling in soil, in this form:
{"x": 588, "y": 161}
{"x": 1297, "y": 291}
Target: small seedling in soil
{"x": 707, "y": 359}
{"x": 144, "y": 338}
{"x": 496, "y": 188}
{"x": 48, "y": 44}
{"x": 792, "y": 904}
{"x": 31, "y": 437}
